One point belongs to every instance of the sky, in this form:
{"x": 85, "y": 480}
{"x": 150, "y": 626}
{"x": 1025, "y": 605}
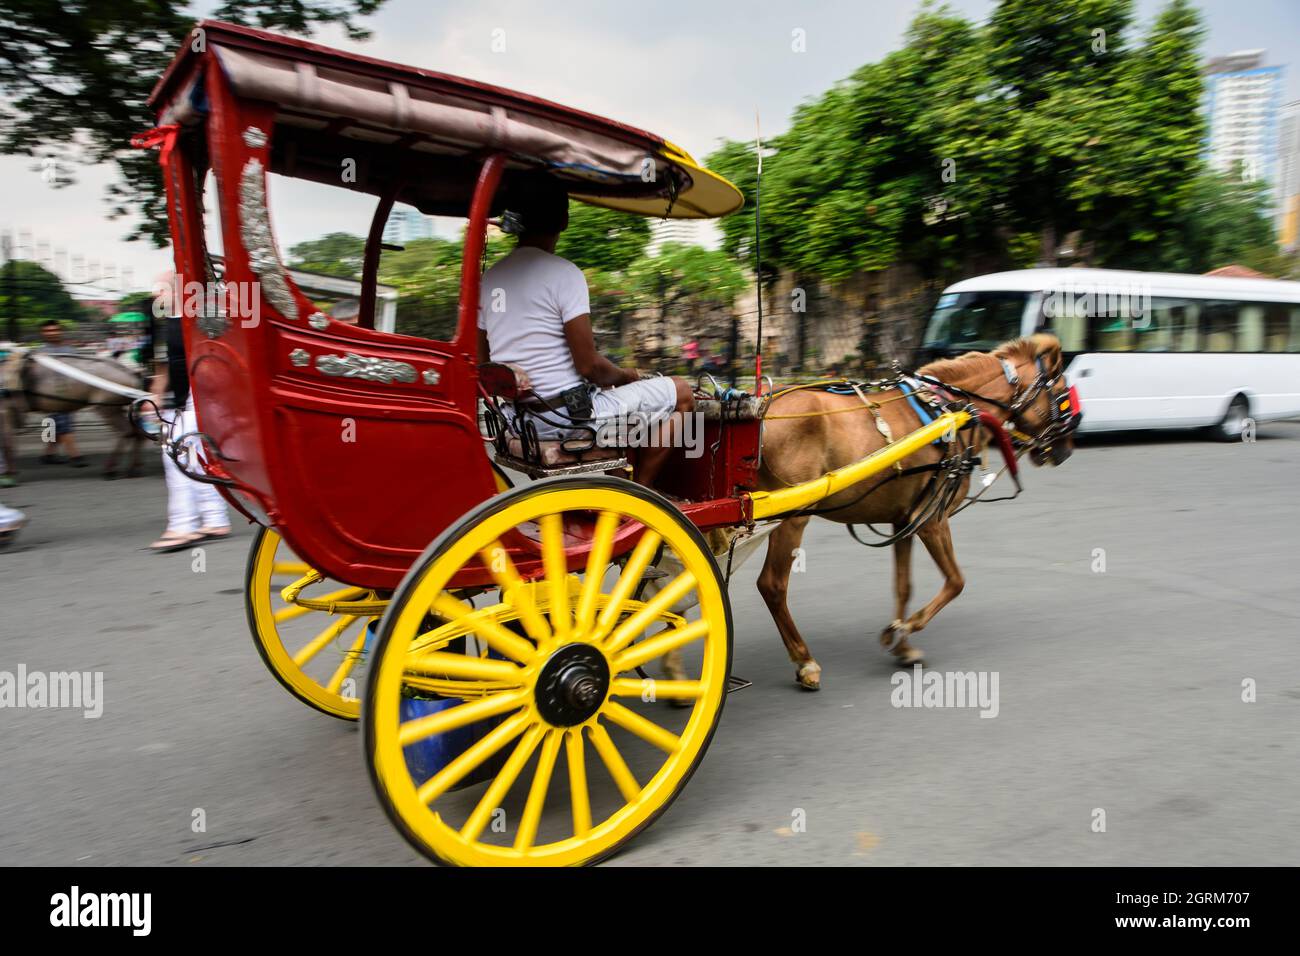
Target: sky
{"x": 693, "y": 71}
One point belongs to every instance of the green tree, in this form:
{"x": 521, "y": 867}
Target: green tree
{"x": 335, "y": 254}
{"x": 1225, "y": 222}
{"x": 685, "y": 281}
{"x": 603, "y": 239}
{"x": 74, "y": 78}
{"x": 30, "y": 294}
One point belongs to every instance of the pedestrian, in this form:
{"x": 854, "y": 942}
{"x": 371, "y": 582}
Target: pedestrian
{"x": 52, "y": 344}
{"x": 195, "y": 510}
{"x": 11, "y": 521}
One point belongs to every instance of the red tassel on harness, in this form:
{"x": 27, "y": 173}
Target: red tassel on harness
{"x": 991, "y": 422}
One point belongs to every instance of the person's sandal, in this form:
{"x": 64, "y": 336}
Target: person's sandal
{"x": 174, "y": 541}
{"x": 213, "y": 534}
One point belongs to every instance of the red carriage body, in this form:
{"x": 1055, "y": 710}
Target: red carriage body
{"x": 360, "y": 446}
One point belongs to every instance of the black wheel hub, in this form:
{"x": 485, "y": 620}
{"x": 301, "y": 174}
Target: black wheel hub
{"x": 572, "y": 685}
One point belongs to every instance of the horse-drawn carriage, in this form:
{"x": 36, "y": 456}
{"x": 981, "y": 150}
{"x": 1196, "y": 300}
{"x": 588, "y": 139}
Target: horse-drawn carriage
{"x": 505, "y": 631}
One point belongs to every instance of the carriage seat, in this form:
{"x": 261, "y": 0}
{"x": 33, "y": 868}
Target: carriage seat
{"x": 553, "y": 456}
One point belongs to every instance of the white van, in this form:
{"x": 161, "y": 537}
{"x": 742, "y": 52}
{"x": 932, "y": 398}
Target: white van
{"x": 1145, "y": 349}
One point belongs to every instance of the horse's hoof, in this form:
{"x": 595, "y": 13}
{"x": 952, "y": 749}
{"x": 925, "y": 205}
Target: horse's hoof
{"x": 894, "y": 635}
{"x": 906, "y": 657}
{"x": 809, "y": 676}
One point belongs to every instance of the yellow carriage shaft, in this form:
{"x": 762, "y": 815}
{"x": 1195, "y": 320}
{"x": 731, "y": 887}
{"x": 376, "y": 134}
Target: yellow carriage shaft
{"x": 768, "y": 504}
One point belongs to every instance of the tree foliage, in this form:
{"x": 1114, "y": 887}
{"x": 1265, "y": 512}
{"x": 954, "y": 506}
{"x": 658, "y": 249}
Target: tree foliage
{"x": 603, "y": 239}
{"x": 991, "y": 144}
{"x": 74, "y": 77}
{"x": 30, "y": 294}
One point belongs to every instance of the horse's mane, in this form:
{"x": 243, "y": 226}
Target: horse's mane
{"x": 965, "y": 367}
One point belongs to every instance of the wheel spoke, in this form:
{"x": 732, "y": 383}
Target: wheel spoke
{"x": 474, "y": 754}
{"x": 669, "y": 595}
{"x": 557, "y": 574}
{"x": 413, "y": 731}
{"x": 660, "y": 644}
{"x": 537, "y": 792}
{"x": 646, "y": 729}
{"x": 602, "y": 543}
{"x": 497, "y": 560}
{"x": 296, "y": 568}
{"x": 350, "y": 659}
{"x": 627, "y": 581}
{"x": 323, "y": 639}
{"x": 667, "y": 689}
{"x": 614, "y": 763}
{"x": 501, "y": 784}
{"x": 578, "y": 796}
{"x": 463, "y": 667}
{"x": 498, "y": 638}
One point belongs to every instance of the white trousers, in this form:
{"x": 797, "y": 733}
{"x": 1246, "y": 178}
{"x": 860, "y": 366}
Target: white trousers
{"x": 190, "y": 504}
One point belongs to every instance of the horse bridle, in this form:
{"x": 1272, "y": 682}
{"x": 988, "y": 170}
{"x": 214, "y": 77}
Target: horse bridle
{"x": 1064, "y": 410}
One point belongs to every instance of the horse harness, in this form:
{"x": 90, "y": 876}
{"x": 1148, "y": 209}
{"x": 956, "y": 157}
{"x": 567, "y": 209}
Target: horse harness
{"x": 928, "y": 398}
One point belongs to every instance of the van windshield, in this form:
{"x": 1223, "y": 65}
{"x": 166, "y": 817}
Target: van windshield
{"x": 975, "y": 320}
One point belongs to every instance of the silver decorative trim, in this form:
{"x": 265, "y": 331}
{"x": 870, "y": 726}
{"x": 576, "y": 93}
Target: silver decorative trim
{"x": 351, "y": 365}
{"x": 254, "y": 137}
{"x": 255, "y": 233}
{"x": 318, "y": 320}
{"x": 431, "y": 376}
{"x": 300, "y": 357}
{"x": 213, "y": 325}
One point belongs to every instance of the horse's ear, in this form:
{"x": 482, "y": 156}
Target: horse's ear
{"x": 1048, "y": 348}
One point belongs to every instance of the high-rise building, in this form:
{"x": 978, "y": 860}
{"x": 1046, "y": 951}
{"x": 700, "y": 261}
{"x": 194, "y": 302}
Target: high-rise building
{"x": 405, "y": 224}
{"x": 1242, "y": 101}
{"x": 1288, "y": 191}
{"x": 688, "y": 232}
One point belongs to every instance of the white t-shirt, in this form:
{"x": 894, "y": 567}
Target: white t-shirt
{"x": 524, "y": 301}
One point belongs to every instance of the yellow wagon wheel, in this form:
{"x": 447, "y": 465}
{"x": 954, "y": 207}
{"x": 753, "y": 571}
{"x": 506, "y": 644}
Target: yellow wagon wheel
{"x": 316, "y": 653}
{"x": 552, "y": 749}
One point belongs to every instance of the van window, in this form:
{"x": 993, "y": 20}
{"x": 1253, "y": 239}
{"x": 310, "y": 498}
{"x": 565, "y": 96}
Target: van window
{"x": 1219, "y": 326}
{"x": 1250, "y": 328}
{"x": 1170, "y": 326}
{"x": 976, "y": 320}
{"x": 1281, "y": 328}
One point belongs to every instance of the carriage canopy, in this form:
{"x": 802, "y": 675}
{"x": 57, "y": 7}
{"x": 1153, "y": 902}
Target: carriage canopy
{"x": 430, "y": 129}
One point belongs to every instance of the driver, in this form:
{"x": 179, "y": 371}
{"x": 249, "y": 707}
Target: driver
{"x": 535, "y": 314}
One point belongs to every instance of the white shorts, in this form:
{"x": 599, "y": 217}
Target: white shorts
{"x": 646, "y": 403}
{"x": 651, "y": 399}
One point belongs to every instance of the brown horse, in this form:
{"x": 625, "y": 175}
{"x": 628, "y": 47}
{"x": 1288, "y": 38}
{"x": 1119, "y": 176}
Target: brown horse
{"x": 809, "y": 432}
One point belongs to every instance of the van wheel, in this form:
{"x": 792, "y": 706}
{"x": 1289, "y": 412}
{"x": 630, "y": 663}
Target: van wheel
{"x": 1234, "y": 419}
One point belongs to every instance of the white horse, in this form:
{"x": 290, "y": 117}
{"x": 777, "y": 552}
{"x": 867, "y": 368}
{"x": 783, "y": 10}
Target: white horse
{"x": 40, "y": 382}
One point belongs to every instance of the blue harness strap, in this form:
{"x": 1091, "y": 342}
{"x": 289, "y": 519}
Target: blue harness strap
{"x": 923, "y": 411}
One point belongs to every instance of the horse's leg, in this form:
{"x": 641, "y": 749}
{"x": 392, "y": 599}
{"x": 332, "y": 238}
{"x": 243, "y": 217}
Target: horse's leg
{"x": 773, "y": 583}
{"x": 105, "y": 412}
{"x": 136, "y": 469}
{"x": 937, "y": 538}
{"x": 892, "y": 635}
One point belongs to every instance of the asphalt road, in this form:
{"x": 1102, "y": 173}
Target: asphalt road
{"x": 1119, "y": 690}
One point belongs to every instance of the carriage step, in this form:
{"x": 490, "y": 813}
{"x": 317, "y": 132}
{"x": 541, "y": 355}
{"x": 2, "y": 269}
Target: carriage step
{"x": 735, "y": 683}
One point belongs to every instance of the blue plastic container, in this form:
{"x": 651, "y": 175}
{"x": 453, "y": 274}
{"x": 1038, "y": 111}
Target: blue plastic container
{"x": 428, "y": 756}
